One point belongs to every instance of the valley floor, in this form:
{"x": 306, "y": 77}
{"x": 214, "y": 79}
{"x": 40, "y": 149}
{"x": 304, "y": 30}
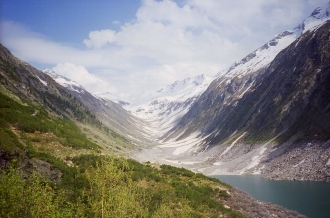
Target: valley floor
{"x": 304, "y": 161}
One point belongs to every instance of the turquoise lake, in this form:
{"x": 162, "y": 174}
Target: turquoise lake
{"x": 309, "y": 198}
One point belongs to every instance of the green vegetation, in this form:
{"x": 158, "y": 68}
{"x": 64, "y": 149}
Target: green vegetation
{"x": 9, "y": 141}
{"x": 113, "y": 189}
{"x": 30, "y": 119}
{"x": 33, "y": 197}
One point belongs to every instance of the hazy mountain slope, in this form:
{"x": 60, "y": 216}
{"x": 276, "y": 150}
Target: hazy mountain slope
{"x": 113, "y": 115}
{"x": 225, "y": 108}
{"x": 163, "y": 108}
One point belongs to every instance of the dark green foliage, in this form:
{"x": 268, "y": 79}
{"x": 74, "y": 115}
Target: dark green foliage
{"x": 9, "y": 141}
{"x": 167, "y": 169}
{"x": 86, "y": 160}
{"x": 175, "y": 184}
{"x": 30, "y": 119}
{"x": 33, "y": 197}
{"x": 72, "y": 179}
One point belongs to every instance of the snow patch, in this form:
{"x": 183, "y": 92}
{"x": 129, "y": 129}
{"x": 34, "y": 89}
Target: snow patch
{"x": 65, "y": 82}
{"x": 328, "y": 162}
{"x": 256, "y": 159}
{"x": 294, "y": 166}
{"x": 42, "y": 81}
{"x": 232, "y": 144}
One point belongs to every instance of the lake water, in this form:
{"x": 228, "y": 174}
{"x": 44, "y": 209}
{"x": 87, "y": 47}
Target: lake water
{"x": 309, "y": 198}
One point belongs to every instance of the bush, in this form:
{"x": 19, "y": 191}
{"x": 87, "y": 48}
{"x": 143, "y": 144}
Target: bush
{"x": 31, "y": 198}
{"x": 113, "y": 193}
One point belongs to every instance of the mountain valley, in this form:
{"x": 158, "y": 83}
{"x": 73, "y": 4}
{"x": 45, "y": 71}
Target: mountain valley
{"x": 271, "y": 106}
{"x": 268, "y": 114}
{"x": 57, "y": 153}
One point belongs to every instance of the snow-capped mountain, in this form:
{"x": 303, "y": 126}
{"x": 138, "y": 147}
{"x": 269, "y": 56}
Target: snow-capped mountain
{"x": 117, "y": 99}
{"x": 227, "y": 92}
{"x": 65, "y": 82}
{"x": 164, "y": 107}
{"x": 266, "y": 53}
{"x": 268, "y": 114}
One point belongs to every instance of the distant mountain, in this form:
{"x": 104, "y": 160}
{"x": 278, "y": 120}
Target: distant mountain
{"x": 112, "y": 97}
{"x": 231, "y": 84}
{"x": 65, "y": 82}
{"x": 164, "y": 107}
{"x": 227, "y": 106}
{"x": 111, "y": 114}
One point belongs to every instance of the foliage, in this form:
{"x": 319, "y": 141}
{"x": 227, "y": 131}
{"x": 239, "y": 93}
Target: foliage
{"x": 72, "y": 179}
{"x": 111, "y": 191}
{"x": 9, "y": 141}
{"x": 33, "y": 197}
{"x": 30, "y": 119}
{"x": 96, "y": 186}
{"x": 86, "y": 161}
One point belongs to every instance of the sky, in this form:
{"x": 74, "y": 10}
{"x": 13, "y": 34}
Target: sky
{"x": 127, "y": 47}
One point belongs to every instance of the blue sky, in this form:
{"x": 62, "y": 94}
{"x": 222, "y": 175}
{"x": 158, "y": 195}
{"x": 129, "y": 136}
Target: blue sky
{"x": 129, "y": 46}
{"x": 68, "y": 21}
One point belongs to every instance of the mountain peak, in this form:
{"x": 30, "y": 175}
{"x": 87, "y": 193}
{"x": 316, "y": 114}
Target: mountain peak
{"x": 65, "y": 82}
{"x": 261, "y": 57}
{"x": 321, "y": 12}
{"x": 316, "y": 19}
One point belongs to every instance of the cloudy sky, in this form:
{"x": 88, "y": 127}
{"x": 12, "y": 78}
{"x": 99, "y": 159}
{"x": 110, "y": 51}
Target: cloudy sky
{"x": 129, "y": 46}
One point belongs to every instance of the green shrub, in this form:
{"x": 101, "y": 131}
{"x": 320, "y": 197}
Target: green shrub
{"x": 113, "y": 193}
{"x": 31, "y": 198}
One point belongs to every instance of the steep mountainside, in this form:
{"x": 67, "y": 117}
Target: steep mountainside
{"x": 34, "y": 86}
{"x": 113, "y": 115}
{"x": 265, "y": 96}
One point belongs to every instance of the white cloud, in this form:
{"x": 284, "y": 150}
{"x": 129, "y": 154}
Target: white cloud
{"x": 81, "y": 75}
{"x": 317, "y": 3}
{"x": 100, "y": 38}
{"x": 34, "y": 47}
{"x": 166, "y": 41}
